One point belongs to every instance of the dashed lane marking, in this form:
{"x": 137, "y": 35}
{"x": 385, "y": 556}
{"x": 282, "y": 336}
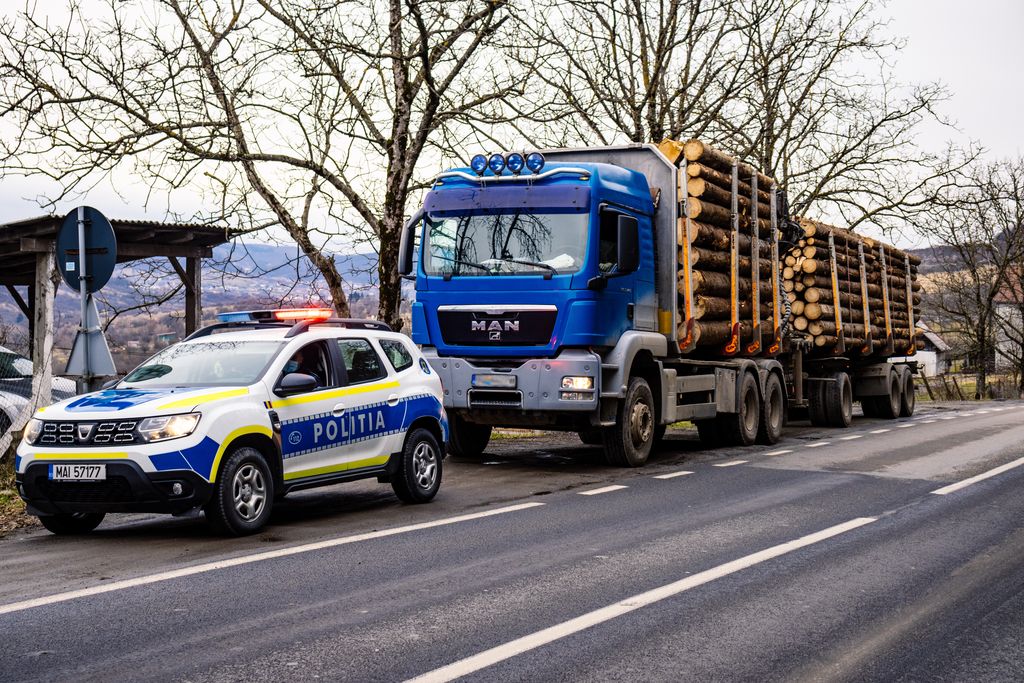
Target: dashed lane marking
{"x": 817, "y": 444}
{"x": 905, "y": 425}
{"x": 672, "y": 475}
{"x": 782, "y": 452}
{"x": 487, "y": 658}
{"x": 928, "y": 422}
{"x": 980, "y": 477}
{"x": 255, "y": 557}
{"x": 604, "y": 489}
{"x": 731, "y": 463}
{"x": 851, "y": 437}
{"x": 879, "y": 431}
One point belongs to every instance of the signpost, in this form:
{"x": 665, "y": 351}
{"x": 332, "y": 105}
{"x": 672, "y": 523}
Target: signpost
{"x": 86, "y": 256}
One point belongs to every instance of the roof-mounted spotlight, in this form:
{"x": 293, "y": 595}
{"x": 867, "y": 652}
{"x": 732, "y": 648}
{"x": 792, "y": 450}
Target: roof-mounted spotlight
{"x": 479, "y": 164}
{"x": 496, "y": 163}
{"x": 535, "y": 161}
{"x": 515, "y": 162}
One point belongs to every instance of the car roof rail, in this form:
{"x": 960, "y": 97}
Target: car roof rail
{"x": 236, "y": 324}
{"x": 348, "y": 323}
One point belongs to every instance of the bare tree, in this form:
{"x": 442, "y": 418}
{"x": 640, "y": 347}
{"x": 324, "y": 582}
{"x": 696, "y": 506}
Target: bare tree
{"x": 306, "y": 116}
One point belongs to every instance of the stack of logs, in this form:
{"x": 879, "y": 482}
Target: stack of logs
{"x": 807, "y": 281}
{"x": 707, "y": 176}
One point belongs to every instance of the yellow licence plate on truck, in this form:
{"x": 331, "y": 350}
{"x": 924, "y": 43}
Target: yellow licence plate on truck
{"x": 78, "y": 472}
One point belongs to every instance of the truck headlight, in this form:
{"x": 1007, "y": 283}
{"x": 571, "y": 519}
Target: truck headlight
{"x": 168, "y": 426}
{"x": 32, "y": 431}
{"x": 578, "y": 383}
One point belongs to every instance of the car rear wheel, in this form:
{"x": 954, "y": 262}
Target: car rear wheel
{"x": 419, "y": 472}
{"x": 243, "y": 496}
{"x": 73, "y": 523}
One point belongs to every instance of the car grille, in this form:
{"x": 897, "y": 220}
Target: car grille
{"x": 112, "y": 490}
{"x": 89, "y": 433}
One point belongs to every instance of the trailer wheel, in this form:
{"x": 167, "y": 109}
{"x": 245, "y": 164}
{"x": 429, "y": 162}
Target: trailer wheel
{"x": 909, "y": 398}
{"x": 773, "y": 412}
{"x": 591, "y": 436}
{"x": 628, "y": 443}
{"x": 838, "y": 400}
{"x": 740, "y": 429}
{"x": 467, "y": 439}
{"x": 889, "y": 406}
{"x": 816, "y": 404}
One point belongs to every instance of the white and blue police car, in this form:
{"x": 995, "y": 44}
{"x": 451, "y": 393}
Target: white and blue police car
{"x": 236, "y": 416}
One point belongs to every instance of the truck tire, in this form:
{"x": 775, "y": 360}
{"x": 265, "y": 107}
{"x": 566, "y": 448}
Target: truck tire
{"x": 773, "y": 412}
{"x": 740, "y": 429}
{"x": 591, "y": 436}
{"x": 419, "y": 471}
{"x": 628, "y": 443}
{"x": 908, "y": 399}
{"x": 889, "y": 406}
{"x": 838, "y": 400}
{"x": 816, "y": 404}
{"x": 71, "y": 523}
{"x": 467, "y": 439}
{"x": 243, "y": 496}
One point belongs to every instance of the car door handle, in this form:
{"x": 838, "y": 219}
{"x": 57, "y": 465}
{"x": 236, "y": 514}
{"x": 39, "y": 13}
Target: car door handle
{"x": 339, "y": 410}
{"x": 393, "y": 400}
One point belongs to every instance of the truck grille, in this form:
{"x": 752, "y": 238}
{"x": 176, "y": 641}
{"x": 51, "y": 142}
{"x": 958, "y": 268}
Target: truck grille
{"x": 89, "y": 433}
{"x": 461, "y": 327}
{"x": 495, "y": 398}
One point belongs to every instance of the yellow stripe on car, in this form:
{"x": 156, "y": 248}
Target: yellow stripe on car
{"x": 79, "y": 456}
{"x": 336, "y": 393}
{"x": 330, "y": 469}
{"x": 204, "y": 398}
{"x": 241, "y": 431}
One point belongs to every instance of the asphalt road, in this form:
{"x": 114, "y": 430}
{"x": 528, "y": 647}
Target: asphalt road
{"x": 888, "y": 551}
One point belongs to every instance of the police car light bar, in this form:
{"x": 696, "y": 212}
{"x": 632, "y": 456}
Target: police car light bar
{"x": 281, "y": 314}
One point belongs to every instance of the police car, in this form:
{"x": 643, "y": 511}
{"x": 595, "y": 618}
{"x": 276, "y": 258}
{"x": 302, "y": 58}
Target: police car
{"x": 236, "y": 416}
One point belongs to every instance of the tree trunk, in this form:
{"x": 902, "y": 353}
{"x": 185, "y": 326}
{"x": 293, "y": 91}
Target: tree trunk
{"x": 390, "y": 301}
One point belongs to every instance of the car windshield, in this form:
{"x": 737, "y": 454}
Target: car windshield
{"x": 207, "y": 363}
{"x": 505, "y": 244}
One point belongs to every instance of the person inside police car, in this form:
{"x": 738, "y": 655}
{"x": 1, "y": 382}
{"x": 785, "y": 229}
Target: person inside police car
{"x": 305, "y": 363}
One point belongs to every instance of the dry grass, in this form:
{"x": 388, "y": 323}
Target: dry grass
{"x": 12, "y": 508}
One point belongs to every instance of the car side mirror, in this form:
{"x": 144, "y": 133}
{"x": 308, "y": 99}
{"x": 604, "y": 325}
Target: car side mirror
{"x": 110, "y": 383}
{"x": 295, "y": 383}
{"x": 629, "y": 245}
{"x": 407, "y": 244}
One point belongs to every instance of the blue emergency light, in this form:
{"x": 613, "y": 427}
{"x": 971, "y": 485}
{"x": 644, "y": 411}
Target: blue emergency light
{"x": 496, "y": 163}
{"x": 515, "y": 162}
{"x": 479, "y": 164}
{"x": 535, "y": 161}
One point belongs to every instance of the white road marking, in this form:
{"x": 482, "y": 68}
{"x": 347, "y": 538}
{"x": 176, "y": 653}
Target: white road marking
{"x": 605, "y": 489}
{"x": 980, "y": 477}
{"x": 487, "y": 658}
{"x": 250, "y": 559}
{"x": 982, "y": 412}
{"x": 997, "y": 410}
{"x": 949, "y": 417}
{"x": 904, "y": 426}
{"x": 880, "y": 431}
{"x": 730, "y": 463}
{"x": 672, "y": 475}
{"x": 782, "y": 452}
{"x": 817, "y": 444}
{"x": 851, "y": 437}
{"x": 928, "y": 422}
{"x": 968, "y": 413}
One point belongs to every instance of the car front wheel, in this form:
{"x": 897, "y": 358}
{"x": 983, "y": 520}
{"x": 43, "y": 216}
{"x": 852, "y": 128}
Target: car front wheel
{"x": 243, "y": 495}
{"x": 73, "y": 523}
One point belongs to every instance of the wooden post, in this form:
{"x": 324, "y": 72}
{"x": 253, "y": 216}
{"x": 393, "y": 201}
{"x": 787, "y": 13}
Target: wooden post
{"x": 958, "y": 391}
{"x": 928, "y": 386}
{"x": 45, "y": 290}
{"x": 193, "y": 294}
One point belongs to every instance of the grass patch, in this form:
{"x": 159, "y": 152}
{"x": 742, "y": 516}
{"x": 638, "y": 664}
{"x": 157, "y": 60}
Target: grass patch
{"x": 12, "y": 508}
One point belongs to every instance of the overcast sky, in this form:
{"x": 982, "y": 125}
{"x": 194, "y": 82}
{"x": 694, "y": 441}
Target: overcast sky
{"x": 972, "y": 48}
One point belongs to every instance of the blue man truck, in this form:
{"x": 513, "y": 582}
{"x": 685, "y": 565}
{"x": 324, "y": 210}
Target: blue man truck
{"x": 587, "y": 290}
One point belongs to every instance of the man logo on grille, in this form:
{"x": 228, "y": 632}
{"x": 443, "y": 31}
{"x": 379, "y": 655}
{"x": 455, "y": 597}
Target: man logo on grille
{"x": 494, "y": 336}
{"x": 85, "y": 431}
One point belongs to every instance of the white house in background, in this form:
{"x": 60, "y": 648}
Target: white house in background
{"x": 933, "y": 359}
{"x": 1008, "y": 312}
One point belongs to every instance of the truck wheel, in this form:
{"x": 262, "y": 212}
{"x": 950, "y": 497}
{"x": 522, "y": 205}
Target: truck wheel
{"x": 773, "y": 412}
{"x": 628, "y": 443}
{"x": 838, "y": 403}
{"x": 591, "y": 436}
{"x": 467, "y": 439}
{"x": 419, "y": 473}
{"x": 909, "y": 396}
{"x": 72, "y": 523}
{"x": 816, "y": 404}
{"x": 243, "y": 495}
{"x": 740, "y": 429}
{"x": 889, "y": 406}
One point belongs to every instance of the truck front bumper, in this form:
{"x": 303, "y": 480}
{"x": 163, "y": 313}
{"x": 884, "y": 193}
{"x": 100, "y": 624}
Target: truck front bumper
{"x": 535, "y": 384}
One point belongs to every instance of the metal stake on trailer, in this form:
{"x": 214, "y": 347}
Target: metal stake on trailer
{"x": 912, "y": 348}
{"x": 733, "y": 346}
{"x": 836, "y": 303}
{"x": 868, "y": 347}
{"x": 755, "y": 268}
{"x": 776, "y": 302}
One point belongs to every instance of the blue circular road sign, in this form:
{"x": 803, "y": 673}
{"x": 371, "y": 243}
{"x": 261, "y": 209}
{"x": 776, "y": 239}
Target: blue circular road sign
{"x": 99, "y": 250}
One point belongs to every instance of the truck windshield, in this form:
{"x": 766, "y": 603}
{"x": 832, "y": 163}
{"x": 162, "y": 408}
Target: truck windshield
{"x": 208, "y": 363}
{"x": 505, "y": 244}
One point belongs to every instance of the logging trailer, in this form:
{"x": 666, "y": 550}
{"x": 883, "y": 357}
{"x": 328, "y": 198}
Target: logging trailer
{"x": 613, "y": 291}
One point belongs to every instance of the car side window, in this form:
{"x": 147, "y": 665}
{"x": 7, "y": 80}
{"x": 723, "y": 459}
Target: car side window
{"x": 361, "y": 362}
{"x": 397, "y": 354}
{"x": 312, "y": 359}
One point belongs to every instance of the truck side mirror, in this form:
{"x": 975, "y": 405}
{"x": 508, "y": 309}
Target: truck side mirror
{"x": 406, "y": 246}
{"x": 629, "y": 244}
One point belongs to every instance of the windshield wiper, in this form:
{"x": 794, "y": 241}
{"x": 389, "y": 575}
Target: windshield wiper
{"x": 448, "y": 276}
{"x": 536, "y": 264}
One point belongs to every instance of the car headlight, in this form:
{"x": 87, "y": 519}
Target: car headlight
{"x": 32, "y": 431}
{"x": 168, "y": 426}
